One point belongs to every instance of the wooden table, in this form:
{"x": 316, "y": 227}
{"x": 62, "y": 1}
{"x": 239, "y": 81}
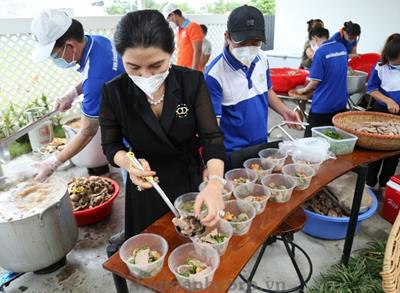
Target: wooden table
{"x": 242, "y": 248}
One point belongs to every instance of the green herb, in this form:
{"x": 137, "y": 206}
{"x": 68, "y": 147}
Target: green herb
{"x": 333, "y": 134}
{"x": 220, "y": 237}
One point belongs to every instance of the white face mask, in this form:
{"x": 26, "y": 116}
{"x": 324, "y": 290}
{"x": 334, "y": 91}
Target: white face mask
{"x": 246, "y": 55}
{"x": 150, "y": 85}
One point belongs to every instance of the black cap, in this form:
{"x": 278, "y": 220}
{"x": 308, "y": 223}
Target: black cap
{"x": 246, "y": 23}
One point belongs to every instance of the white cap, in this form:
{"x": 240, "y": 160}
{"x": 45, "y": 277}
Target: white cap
{"x": 48, "y": 27}
{"x": 168, "y": 9}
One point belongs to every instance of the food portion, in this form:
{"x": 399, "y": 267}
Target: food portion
{"x": 27, "y": 197}
{"x": 143, "y": 256}
{"x": 302, "y": 179}
{"x": 242, "y": 217}
{"x": 89, "y": 192}
{"x": 323, "y": 204}
{"x": 56, "y": 145}
{"x": 332, "y": 134}
{"x": 214, "y": 237}
{"x": 188, "y": 207}
{"x": 256, "y": 167}
{"x": 255, "y": 198}
{"x": 241, "y": 180}
{"x": 188, "y": 226}
{"x": 193, "y": 267}
{"x": 279, "y": 192}
{"x": 383, "y": 128}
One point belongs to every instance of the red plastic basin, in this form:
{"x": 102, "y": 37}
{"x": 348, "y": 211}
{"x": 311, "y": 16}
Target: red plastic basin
{"x": 285, "y": 79}
{"x": 96, "y": 214}
{"x": 365, "y": 62}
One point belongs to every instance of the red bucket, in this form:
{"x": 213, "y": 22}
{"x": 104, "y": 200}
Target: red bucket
{"x": 364, "y": 62}
{"x": 391, "y": 203}
{"x": 285, "y": 79}
{"x": 96, "y": 214}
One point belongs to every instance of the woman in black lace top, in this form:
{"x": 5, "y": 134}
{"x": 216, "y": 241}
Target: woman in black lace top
{"x": 165, "y": 114}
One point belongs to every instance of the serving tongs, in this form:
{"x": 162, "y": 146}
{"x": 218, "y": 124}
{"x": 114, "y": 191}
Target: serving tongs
{"x": 136, "y": 163}
{"x": 283, "y": 130}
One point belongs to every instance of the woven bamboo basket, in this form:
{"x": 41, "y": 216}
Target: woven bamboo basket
{"x": 391, "y": 262}
{"x": 349, "y": 121}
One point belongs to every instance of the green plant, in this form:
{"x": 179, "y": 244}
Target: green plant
{"x": 360, "y": 276}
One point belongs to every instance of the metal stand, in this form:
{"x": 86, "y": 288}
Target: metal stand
{"x": 120, "y": 283}
{"x": 355, "y": 209}
{"x": 290, "y": 246}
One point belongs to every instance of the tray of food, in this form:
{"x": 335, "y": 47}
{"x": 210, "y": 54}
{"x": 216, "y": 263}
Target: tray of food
{"x": 340, "y": 141}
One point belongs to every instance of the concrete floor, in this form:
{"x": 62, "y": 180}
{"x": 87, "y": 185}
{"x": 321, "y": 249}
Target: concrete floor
{"x": 84, "y": 273}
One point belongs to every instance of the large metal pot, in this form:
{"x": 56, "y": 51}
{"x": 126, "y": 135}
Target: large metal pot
{"x": 356, "y": 81}
{"x": 40, "y": 240}
{"x": 91, "y": 156}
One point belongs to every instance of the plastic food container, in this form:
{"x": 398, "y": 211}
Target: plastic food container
{"x": 277, "y": 194}
{"x": 275, "y": 155}
{"x": 243, "y": 192}
{"x": 300, "y": 173}
{"x": 188, "y": 200}
{"x": 237, "y": 207}
{"x": 223, "y": 227}
{"x": 337, "y": 146}
{"x": 334, "y": 228}
{"x": 285, "y": 79}
{"x": 203, "y": 253}
{"x": 154, "y": 242}
{"x": 98, "y": 213}
{"x": 227, "y": 192}
{"x": 307, "y": 160}
{"x": 241, "y": 176}
{"x": 266, "y": 166}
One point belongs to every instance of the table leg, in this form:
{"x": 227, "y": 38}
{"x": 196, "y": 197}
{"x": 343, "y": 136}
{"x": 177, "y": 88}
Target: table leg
{"x": 120, "y": 283}
{"x": 355, "y": 209}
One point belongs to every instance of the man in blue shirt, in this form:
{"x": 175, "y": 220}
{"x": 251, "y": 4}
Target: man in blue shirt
{"x": 62, "y": 38}
{"x": 328, "y": 76}
{"x": 240, "y": 85}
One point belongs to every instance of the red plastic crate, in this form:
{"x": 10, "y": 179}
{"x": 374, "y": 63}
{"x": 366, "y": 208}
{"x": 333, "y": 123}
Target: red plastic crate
{"x": 391, "y": 203}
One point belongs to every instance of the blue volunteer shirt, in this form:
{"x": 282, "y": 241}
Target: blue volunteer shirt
{"x": 100, "y": 63}
{"x": 329, "y": 67}
{"x": 348, "y": 45}
{"x": 385, "y": 79}
{"x": 240, "y": 99}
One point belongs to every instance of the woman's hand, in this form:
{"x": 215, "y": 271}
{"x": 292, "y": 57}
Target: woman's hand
{"x": 212, "y": 197}
{"x": 292, "y": 116}
{"x": 138, "y": 176}
{"x": 392, "y": 106}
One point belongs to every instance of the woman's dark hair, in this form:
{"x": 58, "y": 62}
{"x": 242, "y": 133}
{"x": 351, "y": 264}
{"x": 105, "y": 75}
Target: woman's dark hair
{"x": 75, "y": 32}
{"x": 391, "y": 50}
{"x": 353, "y": 29}
{"x": 204, "y": 28}
{"x": 144, "y": 28}
{"x": 314, "y": 23}
{"x": 319, "y": 32}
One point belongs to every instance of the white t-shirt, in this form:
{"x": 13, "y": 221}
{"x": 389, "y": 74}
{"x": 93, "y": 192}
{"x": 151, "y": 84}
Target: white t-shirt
{"x": 206, "y": 48}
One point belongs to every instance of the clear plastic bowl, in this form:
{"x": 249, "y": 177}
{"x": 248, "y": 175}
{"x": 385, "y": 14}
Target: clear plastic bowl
{"x": 226, "y": 194}
{"x": 307, "y": 160}
{"x": 203, "y": 253}
{"x": 237, "y": 207}
{"x": 241, "y": 173}
{"x": 183, "y": 199}
{"x": 275, "y": 155}
{"x": 279, "y": 195}
{"x": 242, "y": 192}
{"x": 267, "y": 166}
{"x": 155, "y": 242}
{"x": 306, "y": 172}
{"x": 223, "y": 227}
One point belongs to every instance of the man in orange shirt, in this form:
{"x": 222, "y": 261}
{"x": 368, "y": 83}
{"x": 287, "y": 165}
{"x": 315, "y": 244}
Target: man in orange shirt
{"x": 189, "y": 37}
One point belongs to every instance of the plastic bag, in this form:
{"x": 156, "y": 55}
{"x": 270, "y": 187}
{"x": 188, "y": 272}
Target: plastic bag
{"x": 314, "y": 148}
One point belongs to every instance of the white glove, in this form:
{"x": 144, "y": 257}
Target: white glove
{"x": 63, "y": 104}
{"x": 47, "y": 168}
